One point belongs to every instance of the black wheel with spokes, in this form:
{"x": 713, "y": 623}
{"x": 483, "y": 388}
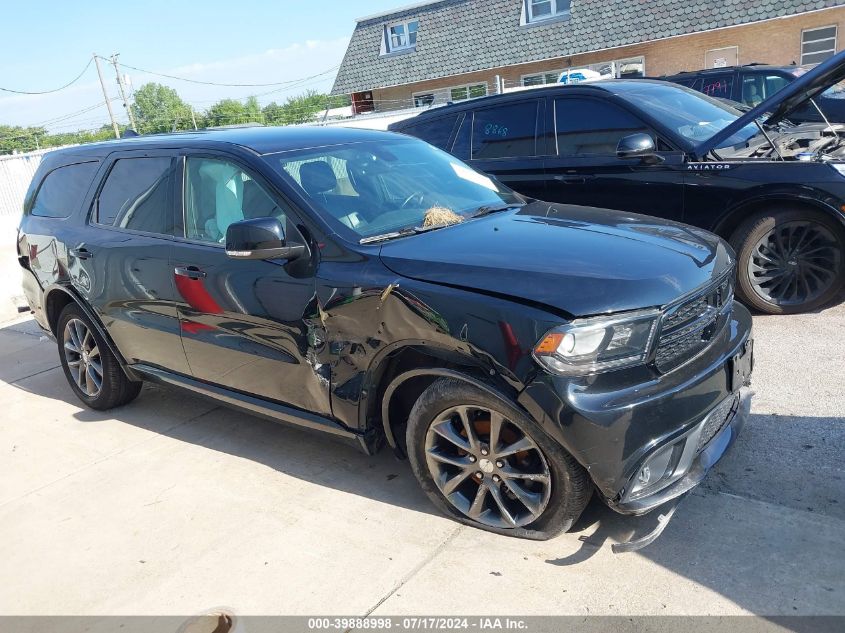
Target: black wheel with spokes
{"x": 91, "y": 369}
{"x": 790, "y": 260}
{"x": 484, "y": 462}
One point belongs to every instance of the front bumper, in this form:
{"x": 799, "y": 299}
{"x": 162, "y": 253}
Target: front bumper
{"x": 614, "y": 423}
{"x": 711, "y": 453}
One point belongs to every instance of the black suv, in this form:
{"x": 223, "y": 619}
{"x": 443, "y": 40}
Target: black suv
{"x": 775, "y": 190}
{"x": 374, "y": 287}
{"x": 752, "y": 84}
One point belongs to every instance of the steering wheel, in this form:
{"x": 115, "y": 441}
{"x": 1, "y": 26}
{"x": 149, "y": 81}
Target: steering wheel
{"x": 420, "y": 197}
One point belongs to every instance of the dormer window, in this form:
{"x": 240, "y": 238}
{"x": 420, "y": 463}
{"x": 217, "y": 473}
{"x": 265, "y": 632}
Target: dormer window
{"x": 400, "y": 36}
{"x": 539, "y": 10}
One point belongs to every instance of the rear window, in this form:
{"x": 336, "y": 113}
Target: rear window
{"x": 436, "y": 131}
{"x": 718, "y": 86}
{"x": 61, "y": 192}
{"x": 138, "y": 195}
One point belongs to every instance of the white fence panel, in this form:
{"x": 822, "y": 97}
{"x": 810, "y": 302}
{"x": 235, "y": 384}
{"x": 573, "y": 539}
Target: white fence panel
{"x": 16, "y": 172}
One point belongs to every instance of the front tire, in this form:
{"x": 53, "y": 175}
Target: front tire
{"x": 91, "y": 369}
{"x": 789, "y": 260}
{"x": 486, "y": 464}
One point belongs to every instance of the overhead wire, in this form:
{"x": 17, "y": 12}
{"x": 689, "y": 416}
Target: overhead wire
{"x": 45, "y": 92}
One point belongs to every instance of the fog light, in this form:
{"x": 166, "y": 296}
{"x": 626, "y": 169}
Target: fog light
{"x": 658, "y": 470}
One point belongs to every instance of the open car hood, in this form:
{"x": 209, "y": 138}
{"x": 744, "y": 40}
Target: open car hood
{"x": 785, "y": 101}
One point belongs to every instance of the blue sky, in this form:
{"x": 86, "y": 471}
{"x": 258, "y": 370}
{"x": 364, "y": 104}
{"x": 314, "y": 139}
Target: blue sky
{"x": 46, "y": 44}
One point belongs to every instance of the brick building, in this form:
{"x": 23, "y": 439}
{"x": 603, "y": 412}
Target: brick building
{"x": 449, "y": 50}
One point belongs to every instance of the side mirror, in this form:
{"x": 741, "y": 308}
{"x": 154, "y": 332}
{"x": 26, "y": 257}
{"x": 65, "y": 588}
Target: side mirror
{"x": 260, "y": 238}
{"x": 637, "y": 145}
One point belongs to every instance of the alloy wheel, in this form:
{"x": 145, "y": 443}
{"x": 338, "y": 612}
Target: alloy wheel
{"x": 794, "y": 263}
{"x": 487, "y": 467}
{"x": 83, "y": 357}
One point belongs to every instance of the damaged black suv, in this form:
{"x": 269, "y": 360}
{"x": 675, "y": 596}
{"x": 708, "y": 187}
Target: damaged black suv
{"x": 521, "y": 354}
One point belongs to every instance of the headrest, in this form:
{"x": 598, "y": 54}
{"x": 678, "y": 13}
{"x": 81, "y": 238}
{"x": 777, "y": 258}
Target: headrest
{"x": 317, "y": 177}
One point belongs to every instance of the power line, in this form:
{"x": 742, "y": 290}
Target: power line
{"x": 45, "y": 92}
{"x": 214, "y": 83}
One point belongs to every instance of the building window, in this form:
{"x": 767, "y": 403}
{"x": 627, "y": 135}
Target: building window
{"x": 541, "y": 79}
{"x": 472, "y": 91}
{"x": 401, "y": 36}
{"x": 538, "y": 10}
{"x": 818, "y": 44}
{"x": 423, "y": 100}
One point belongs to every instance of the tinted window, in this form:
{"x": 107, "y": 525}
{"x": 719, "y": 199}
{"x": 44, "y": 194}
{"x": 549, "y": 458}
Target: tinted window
{"x": 138, "y": 195}
{"x": 718, "y": 86}
{"x": 62, "y": 190}
{"x": 589, "y": 126}
{"x": 757, "y": 87}
{"x": 218, "y": 193}
{"x": 505, "y": 131}
{"x": 436, "y": 131}
{"x": 463, "y": 138}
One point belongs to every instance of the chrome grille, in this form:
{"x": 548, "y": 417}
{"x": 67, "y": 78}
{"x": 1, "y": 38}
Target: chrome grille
{"x": 689, "y": 327}
{"x": 716, "y": 420}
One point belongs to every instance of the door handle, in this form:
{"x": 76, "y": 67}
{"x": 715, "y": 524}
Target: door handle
{"x": 575, "y": 180}
{"x": 191, "y": 272}
{"x": 81, "y": 253}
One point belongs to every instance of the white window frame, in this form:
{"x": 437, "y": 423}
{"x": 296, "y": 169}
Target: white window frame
{"x": 388, "y": 41}
{"x": 467, "y": 86}
{"x": 556, "y": 12}
{"x": 427, "y": 93}
{"x": 832, "y": 51}
{"x": 542, "y": 74}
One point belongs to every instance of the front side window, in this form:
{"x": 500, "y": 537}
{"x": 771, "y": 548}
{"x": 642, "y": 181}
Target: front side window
{"x": 757, "y": 87}
{"x": 401, "y": 36}
{"x": 138, "y": 195}
{"x": 61, "y": 192}
{"x": 588, "y": 127}
{"x": 538, "y": 10}
{"x": 219, "y": 193}
{"x": 508, "y": 130}
{"x": 375, "y": 187}
{"x": 818, "y": 44}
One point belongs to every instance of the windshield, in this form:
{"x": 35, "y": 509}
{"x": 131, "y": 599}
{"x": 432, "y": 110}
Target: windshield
{"x": 377, "y": 187}
{"x": 693, "y": 116}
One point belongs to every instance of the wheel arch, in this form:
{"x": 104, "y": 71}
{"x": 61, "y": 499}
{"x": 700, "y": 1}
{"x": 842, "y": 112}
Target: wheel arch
{"x": 57, "y": 297}
{"x": 736, "y": 215}
{"x": 401, "y": 373}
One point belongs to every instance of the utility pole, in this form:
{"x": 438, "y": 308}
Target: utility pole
{"x": 123, "y": 92}
{"x": 193, "y": 117}
{"x": 106, "y": 96}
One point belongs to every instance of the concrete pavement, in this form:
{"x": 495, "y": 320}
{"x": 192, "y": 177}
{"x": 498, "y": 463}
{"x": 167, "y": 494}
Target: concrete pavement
{"x": 173, "y": 505}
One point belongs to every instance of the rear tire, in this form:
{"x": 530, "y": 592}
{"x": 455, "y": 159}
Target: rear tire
{"x": 461, "y": 440}
{"x": 93, "y": 372}
{"x": 789, "y": 260}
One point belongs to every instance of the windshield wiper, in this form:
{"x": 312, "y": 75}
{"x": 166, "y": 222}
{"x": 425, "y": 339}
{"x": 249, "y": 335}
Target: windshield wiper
{"x": 411, "y": 230}
{"x": 487, "y": 209}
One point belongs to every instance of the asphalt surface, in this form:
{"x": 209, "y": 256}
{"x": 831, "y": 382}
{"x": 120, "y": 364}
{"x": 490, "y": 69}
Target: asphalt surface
{"x": 173, "y": 505}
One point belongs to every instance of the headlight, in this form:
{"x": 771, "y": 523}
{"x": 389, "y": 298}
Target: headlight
{"x": 593, "y": 345}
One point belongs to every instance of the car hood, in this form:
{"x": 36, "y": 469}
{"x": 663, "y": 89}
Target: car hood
{"x": 580, "y": 261}
{"x": 785, "y": 101}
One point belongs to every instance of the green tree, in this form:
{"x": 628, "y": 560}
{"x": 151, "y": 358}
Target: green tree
{"x": 158, "y": 108}
{"x": 273, "y": 114}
